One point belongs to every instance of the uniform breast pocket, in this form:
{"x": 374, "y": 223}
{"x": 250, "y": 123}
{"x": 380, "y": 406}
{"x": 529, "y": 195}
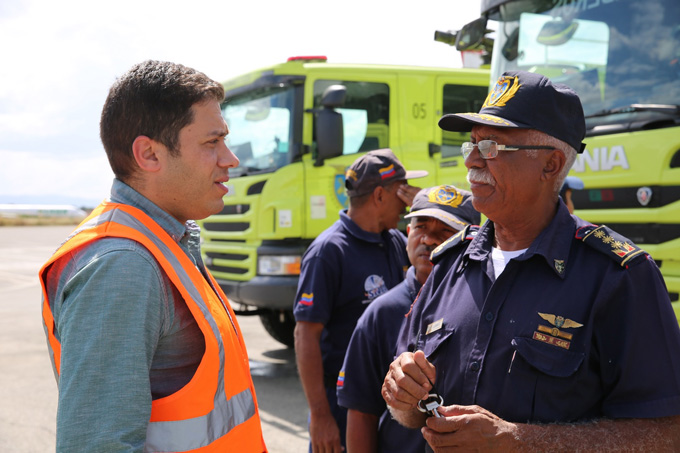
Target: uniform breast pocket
{"x": 548, "y": 359}
{"x": 435, "y": 343}
{"x": 545, "y": 380}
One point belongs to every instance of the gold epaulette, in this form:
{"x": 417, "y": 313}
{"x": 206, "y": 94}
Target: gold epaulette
{"x": 463, "y": 236}
{"x": 611, "y": 243}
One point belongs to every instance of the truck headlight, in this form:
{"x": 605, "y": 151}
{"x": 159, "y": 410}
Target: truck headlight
{"x": 279, "y": 265}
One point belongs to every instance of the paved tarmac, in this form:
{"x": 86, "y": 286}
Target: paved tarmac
{"x": 28, "y": 391}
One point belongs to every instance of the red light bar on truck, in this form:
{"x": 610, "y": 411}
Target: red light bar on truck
{"x": 320, "y": 58}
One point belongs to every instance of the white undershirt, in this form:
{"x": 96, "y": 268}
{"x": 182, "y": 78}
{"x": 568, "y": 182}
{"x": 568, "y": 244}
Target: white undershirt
{"x": 500, "y": 258}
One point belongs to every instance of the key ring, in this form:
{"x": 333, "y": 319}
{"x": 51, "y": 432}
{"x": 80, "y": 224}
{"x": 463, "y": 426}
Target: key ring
{"x": 430, "y": 405}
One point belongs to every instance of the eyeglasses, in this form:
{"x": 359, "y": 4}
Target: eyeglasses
{"x": 488, "y": 149}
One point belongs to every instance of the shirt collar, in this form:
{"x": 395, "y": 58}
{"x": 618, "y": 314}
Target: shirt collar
{"x": 553, "y": 243}
{"x": 412, "y": 282}
{"x": 122, "y": 193}
{"x": 354, "y": 229}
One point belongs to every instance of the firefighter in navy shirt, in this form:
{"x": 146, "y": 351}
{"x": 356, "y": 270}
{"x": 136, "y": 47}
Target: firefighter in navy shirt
{"x": 437, "y": 214}
{"x": 357, "y": 259}
{"x": 543, "y": 332}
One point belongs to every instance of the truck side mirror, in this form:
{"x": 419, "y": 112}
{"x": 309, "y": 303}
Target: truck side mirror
{"x": 329, "y": 128}
{"x": 471, "y": 34}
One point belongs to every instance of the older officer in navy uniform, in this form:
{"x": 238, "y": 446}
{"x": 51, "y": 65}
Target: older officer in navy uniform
{"x": 437, "y": 214}
{"x": 543, "y": 332}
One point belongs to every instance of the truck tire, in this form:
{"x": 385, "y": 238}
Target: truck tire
{"x": 280, "y": 324}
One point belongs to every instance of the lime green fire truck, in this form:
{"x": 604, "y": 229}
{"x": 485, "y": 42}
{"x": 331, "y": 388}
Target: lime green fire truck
{"x": 295, "y": 128}
{"x": 622, "y": 58}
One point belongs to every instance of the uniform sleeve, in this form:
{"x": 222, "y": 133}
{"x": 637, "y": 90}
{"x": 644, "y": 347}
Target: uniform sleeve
{"x": 316, "y": 289}
{"x": 641, "y": 366}
{"x": 366, "y": 362}
{"x": 109, "y": 325}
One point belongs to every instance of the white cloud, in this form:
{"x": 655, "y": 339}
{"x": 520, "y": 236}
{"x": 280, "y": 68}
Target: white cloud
{"x": 32, "y": 173}
{"x": 59, "y": 59}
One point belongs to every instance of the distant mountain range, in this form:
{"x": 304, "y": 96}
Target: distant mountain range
{"x": 80, "y": 202}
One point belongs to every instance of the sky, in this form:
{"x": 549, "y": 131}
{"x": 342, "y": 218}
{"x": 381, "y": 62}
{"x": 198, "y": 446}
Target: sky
{"x": 59, "y": 58}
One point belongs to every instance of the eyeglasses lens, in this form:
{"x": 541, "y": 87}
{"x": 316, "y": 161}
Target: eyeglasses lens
{"x": 487, "y": 149}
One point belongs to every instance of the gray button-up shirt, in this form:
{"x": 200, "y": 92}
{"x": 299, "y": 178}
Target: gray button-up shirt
{"x": 126, "y": 335}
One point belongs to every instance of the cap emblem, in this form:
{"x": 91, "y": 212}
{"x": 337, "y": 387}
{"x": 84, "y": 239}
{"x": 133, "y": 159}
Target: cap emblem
{"x": 505, "y": 89}
{"x": 351, "y": 174}
{"x": 446, "y": 195}
{"x": 387, "y": 172}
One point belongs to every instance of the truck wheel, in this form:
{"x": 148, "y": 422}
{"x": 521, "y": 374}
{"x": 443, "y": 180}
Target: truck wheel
{"x": 280, "y": 324}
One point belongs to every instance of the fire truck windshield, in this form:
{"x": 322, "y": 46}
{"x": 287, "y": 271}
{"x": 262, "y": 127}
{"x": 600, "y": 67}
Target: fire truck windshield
{"x": 260, "y": 129}
{"x": 614, "y": 54}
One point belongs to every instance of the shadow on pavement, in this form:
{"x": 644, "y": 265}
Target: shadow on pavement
{"x": 282, "y": 403}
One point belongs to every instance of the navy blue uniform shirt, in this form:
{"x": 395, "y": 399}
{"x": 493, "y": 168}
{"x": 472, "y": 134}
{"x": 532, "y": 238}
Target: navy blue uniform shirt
{"x": 343, "y": 271}
{"x": 566, "y": 333}
{"x": 368, "y": 358}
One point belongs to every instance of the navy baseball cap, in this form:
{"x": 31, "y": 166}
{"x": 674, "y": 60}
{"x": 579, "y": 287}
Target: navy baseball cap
{"x": 449, "y": 204}
{"x": 527, "y": 100}
{"x": 376, "y": 168}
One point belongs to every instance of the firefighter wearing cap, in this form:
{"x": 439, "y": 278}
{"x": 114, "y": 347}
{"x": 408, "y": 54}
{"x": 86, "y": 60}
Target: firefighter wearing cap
{"x": 437, "y": 214}
{"x": 358, "y": 258}
{"x": 570, "y": 184}
{"x": 542, "y": 320}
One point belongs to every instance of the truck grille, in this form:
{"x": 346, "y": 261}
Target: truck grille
{"x": 231, "y": 227}
{"x": 226, "y": 251}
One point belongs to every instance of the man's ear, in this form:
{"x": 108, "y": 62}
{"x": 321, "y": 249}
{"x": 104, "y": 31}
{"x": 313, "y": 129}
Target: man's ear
{"x": 554, "y": 164}
{"x": 146, "y": 152}
{"x": 378, "y": 195}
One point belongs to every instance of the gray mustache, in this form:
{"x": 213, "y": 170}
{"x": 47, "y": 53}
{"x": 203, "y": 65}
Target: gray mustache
{"x": 480, "y": 176}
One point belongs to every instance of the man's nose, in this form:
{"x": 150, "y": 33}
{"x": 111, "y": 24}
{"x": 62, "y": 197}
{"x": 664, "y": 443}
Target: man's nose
{"x": 428, "y": 239}
{"x": 226, "y": 157}
{"x": 474, "y": 159}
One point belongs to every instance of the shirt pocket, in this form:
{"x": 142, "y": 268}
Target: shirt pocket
{"x": 545, "y": 381}
{"x": 434, "y": 342}
{"x": 550, "y": 360}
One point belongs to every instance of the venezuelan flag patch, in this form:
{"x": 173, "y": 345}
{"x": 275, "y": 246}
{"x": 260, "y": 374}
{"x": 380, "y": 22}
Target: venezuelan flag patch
{"x": 387, "y": 172}
{"x": 341, "y": 379}
{"x": 307, "y": 299}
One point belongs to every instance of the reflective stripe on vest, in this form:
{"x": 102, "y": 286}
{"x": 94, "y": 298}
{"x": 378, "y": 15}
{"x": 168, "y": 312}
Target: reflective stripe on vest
{"x": 174, "y": 435}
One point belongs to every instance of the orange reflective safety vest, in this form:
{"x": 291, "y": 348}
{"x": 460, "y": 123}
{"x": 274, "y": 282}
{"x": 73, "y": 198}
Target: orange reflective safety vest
{"x": 217, "y": 410}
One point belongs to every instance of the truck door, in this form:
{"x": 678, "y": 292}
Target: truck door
{"x": 366, "y": 121}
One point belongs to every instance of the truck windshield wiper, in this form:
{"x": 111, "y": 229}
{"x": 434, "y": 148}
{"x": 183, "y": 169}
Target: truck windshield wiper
{"x": 671, "y": 109}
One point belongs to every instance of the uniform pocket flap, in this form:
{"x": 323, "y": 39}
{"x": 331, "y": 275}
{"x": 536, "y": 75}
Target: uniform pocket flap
{"x": 546, "y": 358}
{"x": 434, "y": 340}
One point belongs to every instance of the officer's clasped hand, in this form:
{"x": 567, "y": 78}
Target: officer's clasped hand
{"x": 409, "y": 380}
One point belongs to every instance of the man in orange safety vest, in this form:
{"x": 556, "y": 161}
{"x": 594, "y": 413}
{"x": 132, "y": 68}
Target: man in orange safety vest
{"x": 146, "y": 349}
